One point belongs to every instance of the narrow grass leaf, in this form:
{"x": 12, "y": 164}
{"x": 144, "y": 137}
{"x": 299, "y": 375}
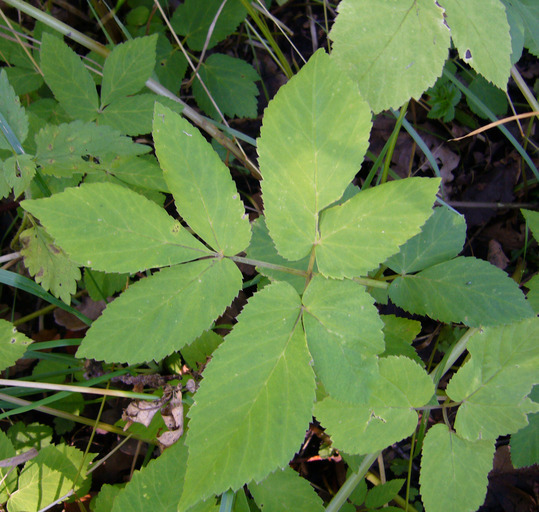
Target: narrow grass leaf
{"x": 344, "y": 335}
{"x": 205, "y": 194}
{"x": 381, "y": 43}
{"x": 313, "y": 139}
{"x": 454, "y": 471}
{"x": 127, "y": 68}
{"x": 255, "y": 401}
{"x": 13, "y": 112}
{"x": 160, "y": 314}
{"x": 358, "y": 235}
{"x": 195, "y": 19}
{"x": 465, "y": 290}
{"x": 111, "y": 228}
{"x": 29, "y": 286}
{"x": 481, "y": 34}
{"x": 387, "y": 416}
{"x": 48, "y": 264}
{"x": 494, "y": 383}
{"x": 68, "y": 79}
{"x": 286, "y": 491}
{"x": 13, "y": 344}
{"x": 231, "y": 82}
{"x": 441, "y": 238}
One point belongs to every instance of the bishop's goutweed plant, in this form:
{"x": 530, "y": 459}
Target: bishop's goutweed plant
{"x": 310, "y": 342}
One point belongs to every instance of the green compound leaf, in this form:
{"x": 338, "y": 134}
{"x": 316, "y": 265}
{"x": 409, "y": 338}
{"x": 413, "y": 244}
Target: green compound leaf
{"x": 127, "y": 68}
{"x": 383, "y": 493}
{"x": 111, "y": 228}
{"x": 493, "y": 385}
{"x": 387, "y": 417}
{"x": 399, "y": 333}
{"x": 24, "y": 80}
{"x": 465, "y": 290}
{"x": 100, "y": 285}
{"x": 314, "y": 136}
{"x": 13, "y": 344}
{"x": 200, "y": 349}
{"x": 158, "y": 486}
{"x": 380, "y": 43}
{"x": 263, "y": 249}
{"x": 358, "y": 235}
{"x": 255, "y": 401}
{"x": 48, "y": 264}
{"x": 441, "y": 239}
{"x": 528, "y": 12}
{"x": 47, "y": 477}
{"x": 131, "y": 115}
{"x": 286, "y": 491}
{"x": 19, "y": 171}
{"x": 533, "y": 294}
{"x": 194, "y": 19}
{"x": 525, "y": 443}
{"x": 532, "y": 218}
{"x": 205, "y": 194}
{"x": 454, "y": 471}
{"x": 481, "y": 34}
{"x": 13, "y": 112}
{"x": 160, "y": 314}
{"x": 231, "y": 82}
{"x": 8, "y": 476}
{"x": 104, "y": 500}
{"x": 68, "y": 79}
{"x": 344, "y": 334}
{"x": 142, "y": 172}
{"x": 65, "y": 149}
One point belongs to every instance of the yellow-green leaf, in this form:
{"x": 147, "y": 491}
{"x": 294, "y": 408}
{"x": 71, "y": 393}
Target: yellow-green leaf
{"x": 314, "y": 136}
{"x": 205, "y": 194}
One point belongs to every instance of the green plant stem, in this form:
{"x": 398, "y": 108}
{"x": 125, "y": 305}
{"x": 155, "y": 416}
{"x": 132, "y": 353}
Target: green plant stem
{"x": 265, "y": 264}
{"x": 78, "y": 389}
{"x": 73, "y": 417}
{"x": 351, "y": 483}
{"x": 525, "y": 90}
{"x": 365, "y": 281}
{"x": 373, "y": 283}
{"x": 151, "y": 84}
{"x": 393, "y": 142}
